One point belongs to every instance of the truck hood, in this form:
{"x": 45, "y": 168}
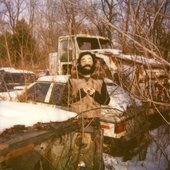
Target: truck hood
{"x": 104, "y": 53}
{"x": 111, "y": 51}
{"x": 15, "y": 113}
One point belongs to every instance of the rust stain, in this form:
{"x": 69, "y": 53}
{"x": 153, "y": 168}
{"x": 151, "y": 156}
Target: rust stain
{"x": 17, "y": 152}
{"x": 3, "y": 146}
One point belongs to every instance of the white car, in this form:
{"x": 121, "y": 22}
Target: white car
{"x": 32, "y": 132}
{"x": 123, "y": 120}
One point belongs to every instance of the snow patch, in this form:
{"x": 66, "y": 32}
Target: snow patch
{"x": 14, "y": 113}
{"x": 58, "y": 78}
{"x": 13, "y": 70}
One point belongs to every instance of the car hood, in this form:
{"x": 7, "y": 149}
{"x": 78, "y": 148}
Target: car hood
{"x": 120, "y": 98}
{"x": 15, "y": 113}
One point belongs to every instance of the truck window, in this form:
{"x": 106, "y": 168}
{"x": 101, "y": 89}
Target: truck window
{"x": 87, "y": 43}
{"x": 63, "y": 51}
{"x": 66, "y": 51}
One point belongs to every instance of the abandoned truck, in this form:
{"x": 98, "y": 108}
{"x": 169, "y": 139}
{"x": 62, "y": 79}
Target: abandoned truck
{"x": 147, "y": 78}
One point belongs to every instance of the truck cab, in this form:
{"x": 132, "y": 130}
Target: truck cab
{"x": 69, "y": 48}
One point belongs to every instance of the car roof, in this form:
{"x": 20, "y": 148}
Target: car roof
{"x": 56, "y": 78}
{"x": 13, "y": 70}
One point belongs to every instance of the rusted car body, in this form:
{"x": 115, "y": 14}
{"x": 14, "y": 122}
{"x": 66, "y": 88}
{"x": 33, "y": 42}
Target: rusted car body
{"x": 53, "y": 145}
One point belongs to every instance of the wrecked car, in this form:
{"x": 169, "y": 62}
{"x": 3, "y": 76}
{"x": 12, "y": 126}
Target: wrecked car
{"x": 11, "y": 77}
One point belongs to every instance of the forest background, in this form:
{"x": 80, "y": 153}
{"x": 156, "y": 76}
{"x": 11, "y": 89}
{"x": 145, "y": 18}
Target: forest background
{"x": 29, "y": 29}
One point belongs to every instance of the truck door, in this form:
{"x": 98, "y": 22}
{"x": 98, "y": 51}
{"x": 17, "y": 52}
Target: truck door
{"x": 65, "y": 51}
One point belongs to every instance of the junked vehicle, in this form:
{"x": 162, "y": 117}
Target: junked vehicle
{"x": 11, "y": 77}
{"x": 144, "y": 76}
{"x": 13, "y": 81}
{"x": 123, "y": 120}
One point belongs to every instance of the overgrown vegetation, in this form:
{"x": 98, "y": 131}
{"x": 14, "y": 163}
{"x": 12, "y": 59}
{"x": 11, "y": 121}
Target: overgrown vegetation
{"x": 18, "y": 48}
{"x": 29, "y": 29}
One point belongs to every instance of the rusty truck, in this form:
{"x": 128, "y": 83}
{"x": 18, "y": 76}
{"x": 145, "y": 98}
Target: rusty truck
{"x": 145, "y": 77}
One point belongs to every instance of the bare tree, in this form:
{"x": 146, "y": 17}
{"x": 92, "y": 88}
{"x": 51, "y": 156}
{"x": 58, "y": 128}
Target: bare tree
{"x": 12, "y": 11}
{"x": 73, "y": 16}
{"x": 109, "y": 10}
{"x": 147, "y": 23}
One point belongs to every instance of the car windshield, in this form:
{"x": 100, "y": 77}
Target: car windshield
{"x": 38, "y": 92}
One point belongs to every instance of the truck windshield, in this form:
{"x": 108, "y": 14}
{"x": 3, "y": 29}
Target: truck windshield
{"x": 87, "y": 43}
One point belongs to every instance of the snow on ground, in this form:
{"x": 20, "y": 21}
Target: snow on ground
{"x": 155, "y": 159}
